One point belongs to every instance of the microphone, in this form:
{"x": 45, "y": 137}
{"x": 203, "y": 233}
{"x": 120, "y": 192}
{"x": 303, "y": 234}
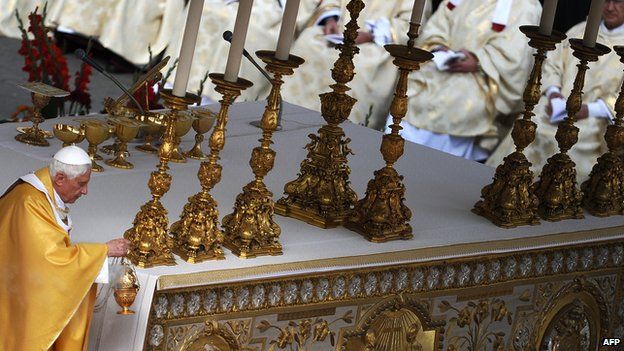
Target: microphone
{"x": 227, "y": 36}
{"x": 81, "y": 54}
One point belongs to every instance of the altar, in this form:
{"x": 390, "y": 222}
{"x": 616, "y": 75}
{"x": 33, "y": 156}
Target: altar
{"x": 460, "y": 283}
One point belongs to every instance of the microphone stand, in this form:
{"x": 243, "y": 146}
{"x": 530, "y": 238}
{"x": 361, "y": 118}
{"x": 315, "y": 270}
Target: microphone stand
{"x": 227, "y": 36}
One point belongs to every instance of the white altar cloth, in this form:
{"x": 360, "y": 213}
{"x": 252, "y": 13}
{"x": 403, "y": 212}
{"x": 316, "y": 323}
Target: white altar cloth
{"x": 441, "y": 190}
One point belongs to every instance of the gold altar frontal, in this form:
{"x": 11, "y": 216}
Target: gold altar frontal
{"x": 520, "y": 300}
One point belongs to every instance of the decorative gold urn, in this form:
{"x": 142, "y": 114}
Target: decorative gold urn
{"x": 603, "y": 192}
{"x": 510, "y": 201}
{"x": 196, "y": 235}
{"x": 382, "y": 214}
{"x": 322, "y": 195}
{"x": 250, "y": 230}
{"x": 557, "y": 191}
{"x": 126, "y": 288}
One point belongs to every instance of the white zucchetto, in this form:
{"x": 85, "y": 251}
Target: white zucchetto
{"x": 72, "y": 155}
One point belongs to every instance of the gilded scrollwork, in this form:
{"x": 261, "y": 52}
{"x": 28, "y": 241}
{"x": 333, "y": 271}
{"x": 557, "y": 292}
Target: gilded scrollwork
{"x": 303, "y": 334}
{"x": 480, "y": 319}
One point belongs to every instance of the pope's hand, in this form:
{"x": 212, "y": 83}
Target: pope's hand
{"x": 118, "y": 247}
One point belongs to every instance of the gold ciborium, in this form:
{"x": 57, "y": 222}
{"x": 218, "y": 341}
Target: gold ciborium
{"x": 125, "y": 130}
{"x": 96, "y": 133}
{"x": 182, "y": 126}
{"x": 202, "y": 124}
{"x": 41, "y": 95}
{"x": 152, "y": 126}
{"x": 68, "y": 134}
{"x": 126, "y": 288}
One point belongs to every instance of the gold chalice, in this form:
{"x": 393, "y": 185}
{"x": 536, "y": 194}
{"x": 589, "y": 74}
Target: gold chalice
{"x": 111, "y": 149}
{"x": 96, "y": 133}
{"x": 126, "y": 289}
{"x": 125, "y": 130}
{"x": 68, "y": 134}
{"x": 202, "y": 124}
{"x": 152, "y": 125}
{"x": 41, "y": 95}
{"x": 182, "y": 126}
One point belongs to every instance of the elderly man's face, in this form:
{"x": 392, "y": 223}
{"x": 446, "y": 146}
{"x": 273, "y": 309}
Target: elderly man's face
{"x": 71, "y": 190}
{"x": 613, "y": 13}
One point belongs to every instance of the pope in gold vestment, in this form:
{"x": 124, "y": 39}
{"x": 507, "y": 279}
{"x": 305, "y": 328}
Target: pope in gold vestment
{"x": 46, "y": 282}
{"x": 602, "y": 82}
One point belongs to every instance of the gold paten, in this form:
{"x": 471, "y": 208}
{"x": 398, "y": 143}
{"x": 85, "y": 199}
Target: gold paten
{"x": 125, "y": 130}
{"x": 96, "y": 133}
{"x": 250, "y": 230}
{"x": 557, "y": 191}
{"x": 382, "y": 215}
{"x": 322, "y": 195}
{"x": 201, "y": 125}
{"x": 41, "y": 95}
{"x": 603, "y": 193}
{"x": 149, "y": 244}
{"x": 510, "y": 201}
{"x": 197, "y": 235}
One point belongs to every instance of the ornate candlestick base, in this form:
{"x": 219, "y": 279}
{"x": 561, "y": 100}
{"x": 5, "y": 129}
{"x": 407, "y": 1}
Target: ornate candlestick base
{"x": 149, "y": 243}
{"x": 250, "y": 230}
{"x": 603, "y": 192}
{"x": 382, "y": 215}
{"x": 557, "y": 191}
{"x": 509, "y": 201}
{"x": 41, "y": 95}
{"x": 322, "y": 195}
{"x": 197, "y": 235}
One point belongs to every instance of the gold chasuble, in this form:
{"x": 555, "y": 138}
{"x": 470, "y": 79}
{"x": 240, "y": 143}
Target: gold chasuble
{"x": 465, "y": 104}
{"x": 46, "y": 283}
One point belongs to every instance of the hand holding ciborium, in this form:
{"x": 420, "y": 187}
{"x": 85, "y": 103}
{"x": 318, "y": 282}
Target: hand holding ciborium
{"x": 96, "y": 133}
{"x": 126, "y": 288}
{"x": 126, "y": 129}
{"x": 152, "y": 126}
{"x": 204, "y": 121}
{"x": 68, "y": 134}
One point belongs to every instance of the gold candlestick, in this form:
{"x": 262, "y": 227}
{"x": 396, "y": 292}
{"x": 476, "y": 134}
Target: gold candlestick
{"x": 197, "y": 235}
{"x": 149, "y": 243}
{"x": 322, "y": 195}
{"x": 510, "y": 201}
{"x": 41, "y": 95}
{"x": 382, "y": 215}
{"x": 250, "y": 230}
{"x": 603, "y": 193}
{"x": 557, "y": 191}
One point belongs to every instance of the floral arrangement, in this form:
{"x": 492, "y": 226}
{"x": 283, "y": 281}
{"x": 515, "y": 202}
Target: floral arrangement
{"x": 44, "y": 62}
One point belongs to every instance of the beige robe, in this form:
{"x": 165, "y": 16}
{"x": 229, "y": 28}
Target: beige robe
{"x": 466, "y": 104}
{"x": 212, "y": 50}
{"x": 375, "y": 75}
{"x": 602, "y": 81}
{"x": 126, "y": 27}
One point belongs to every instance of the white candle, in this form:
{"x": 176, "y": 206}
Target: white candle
{"x": 417, "y": 11}
{"x": 548, "y": 17}
{"x": 287, "y": 31}
{"x": 593, "y": 22}
{"x": 238, "y": 40}
{"x": 188, "y": 47}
